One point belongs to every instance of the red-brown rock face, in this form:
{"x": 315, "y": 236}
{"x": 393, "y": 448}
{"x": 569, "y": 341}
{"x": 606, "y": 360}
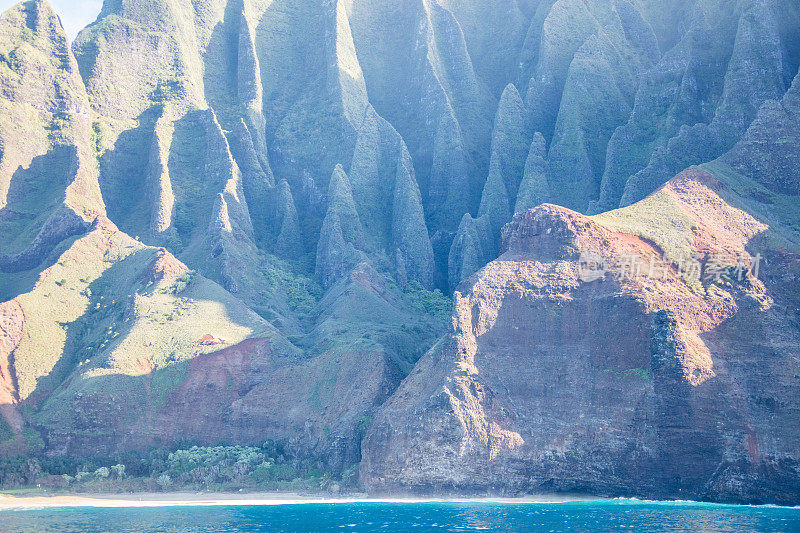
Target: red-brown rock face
{"x": 582, "y": 361}
{"x": 12, "y": 321}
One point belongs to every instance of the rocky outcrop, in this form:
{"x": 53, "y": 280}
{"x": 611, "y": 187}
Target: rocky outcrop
{"x": 342, "y": 205}
{"x": 329, "y": 99}
{"x": 413, "y": 251}
{"x": 231, "y": 73}
{"x": 472, "y": 248}
{"x": 215, "y": 228}
{"x": 570, "y": 31}
{"x": 623, "y": 105}
{"x": 423, "y": 81}
{"x": 177, "y": 149}
{"x": 379, "y": 206}
{"x": 159, "y": 184}
{"x": 579, "y": 361}
{"x": 476, "y": 241}
{"x": 595, "y": 76}
{"x": 285, "y": 222}
{"x": 596, "y": 99}
{"x": 342, "y": 235}
{"x": 258, "y": 181}
{"x": 510, "y": 145}
{"x": 534, "y": 189}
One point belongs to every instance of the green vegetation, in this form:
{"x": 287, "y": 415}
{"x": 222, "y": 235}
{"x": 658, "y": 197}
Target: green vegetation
{"x": 433, "y": 302}
{"x": 185, "y": 467}
{"x": 363, "y": 425}
{"x": 166, "y": 381}
{"x": 183, "y": 282}
{"x": 165, "y": 129}
{"x": 5, "y": 430}
{"x": 302, "y": 292}
{"x": 98, "y": 137}
{"x": 641, "y": 372}
{"x": 658, "y": 219}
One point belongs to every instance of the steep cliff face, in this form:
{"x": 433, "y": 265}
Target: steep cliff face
{"x": 107, "y": 314}
{"x": 623, "y": 104}
{"x": 48, "y": 176}
{"x": 623, "y": 354}
{"x": 430, "y": 105}
{"x": 574, "y": 366}
{"x": 151, "y": 70}
{"x": 704, "y": 93}
{"x": 109, "y": 335}
{"x": 226, "y": 220}
{"x": 120, "y": 347}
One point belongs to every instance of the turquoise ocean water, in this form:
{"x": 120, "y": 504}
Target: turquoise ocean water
{"x": 614, "y": 515}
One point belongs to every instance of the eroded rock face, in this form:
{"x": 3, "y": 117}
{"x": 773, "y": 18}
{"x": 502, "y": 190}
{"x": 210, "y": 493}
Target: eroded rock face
{"x": 566, "y": 371}
{"x": 283, "y": 179}
{"x": 48, "y": 180}
{"x": 12, "y": 322}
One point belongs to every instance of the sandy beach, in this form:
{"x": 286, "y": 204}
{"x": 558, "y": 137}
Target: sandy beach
{"x": 160, "y": 499}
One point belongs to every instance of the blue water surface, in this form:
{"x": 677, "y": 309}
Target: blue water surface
{"x": 614, "y": 515}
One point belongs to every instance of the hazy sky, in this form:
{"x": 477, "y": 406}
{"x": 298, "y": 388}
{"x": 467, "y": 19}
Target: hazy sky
{"x": 75, "y": 14}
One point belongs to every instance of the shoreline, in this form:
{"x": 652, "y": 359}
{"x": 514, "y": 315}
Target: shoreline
{"x": 29, "y": 502}
{"x": 9, "y": 502}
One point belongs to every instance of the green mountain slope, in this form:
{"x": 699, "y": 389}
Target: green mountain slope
{"x": 239, "y": 221}
{"x": 48, "y": 174}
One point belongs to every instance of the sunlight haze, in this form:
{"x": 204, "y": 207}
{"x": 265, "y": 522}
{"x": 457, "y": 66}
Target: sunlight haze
{"x": 75, "y": 14}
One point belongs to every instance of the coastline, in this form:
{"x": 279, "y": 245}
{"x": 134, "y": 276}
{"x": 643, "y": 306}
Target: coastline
{"x": 9, "y": 502}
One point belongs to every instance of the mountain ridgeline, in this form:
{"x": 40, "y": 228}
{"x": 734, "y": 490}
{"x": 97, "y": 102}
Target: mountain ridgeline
{"x": 234, "y": 221}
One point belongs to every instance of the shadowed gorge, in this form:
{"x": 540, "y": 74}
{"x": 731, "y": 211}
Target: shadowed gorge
{"x": 356, "y": 231}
